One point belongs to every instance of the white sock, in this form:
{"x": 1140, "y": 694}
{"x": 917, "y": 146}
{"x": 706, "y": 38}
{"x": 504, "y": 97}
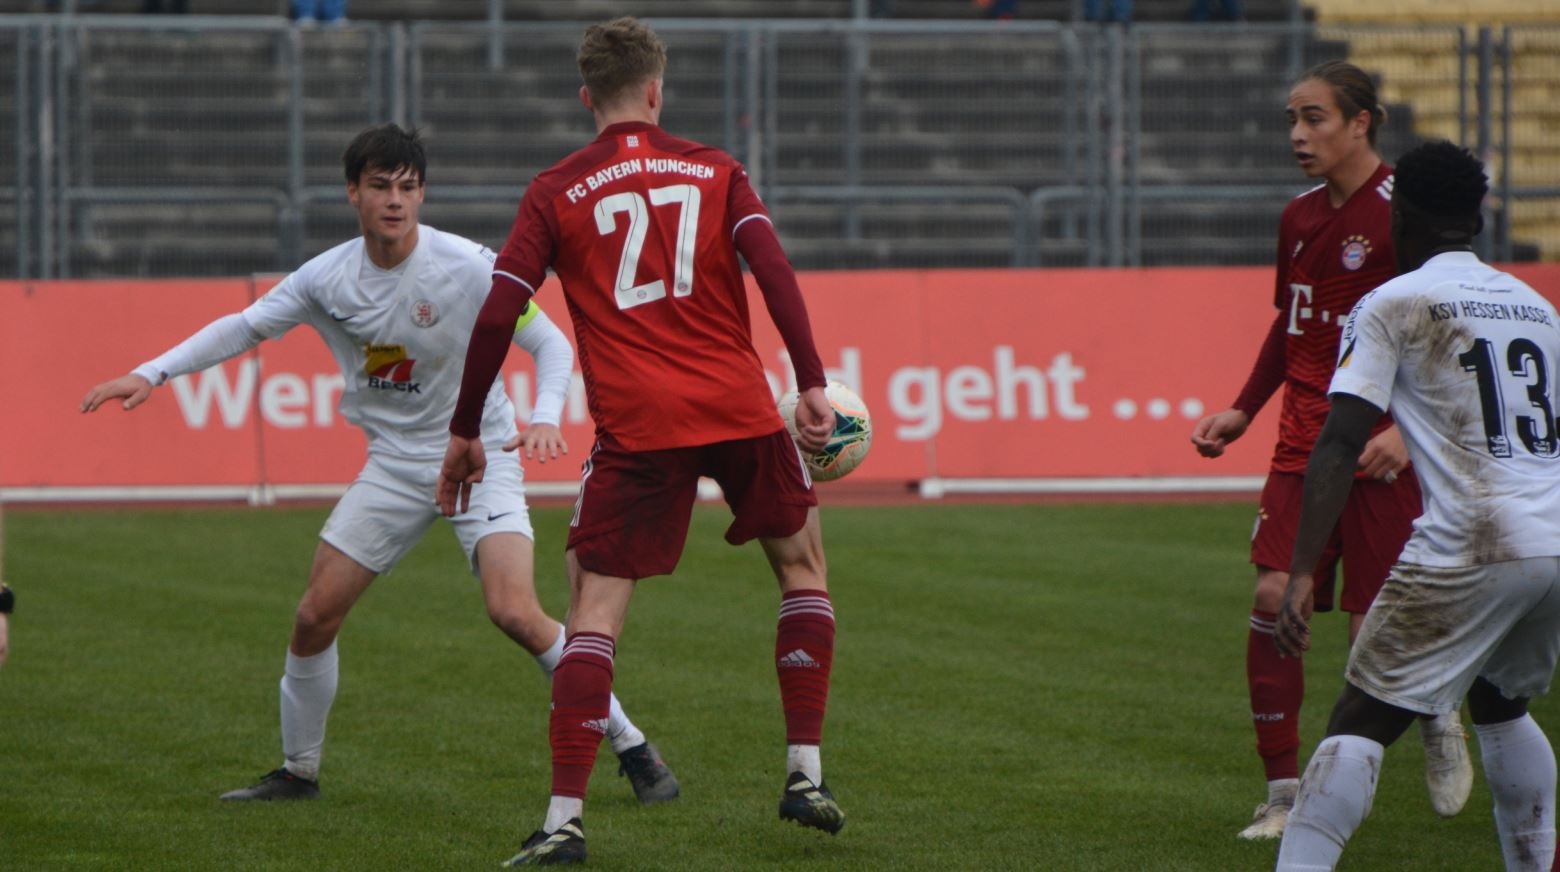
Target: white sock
{"x": 1335, "y": 796}
{"x": 805, "y": 759}
{"x": 1281, "y": 791}
{"x": 308, "y": 689}
{"x": 621, "y": 731}
{"x": 561, "y": 810}
{"x": 547, "y": 661}
{"x": 1520, "y": 767}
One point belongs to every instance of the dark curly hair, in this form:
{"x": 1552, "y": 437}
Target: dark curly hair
{"x": 1441, "y": 180}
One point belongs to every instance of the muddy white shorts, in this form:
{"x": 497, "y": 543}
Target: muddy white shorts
{"x": 1433, "y": 630}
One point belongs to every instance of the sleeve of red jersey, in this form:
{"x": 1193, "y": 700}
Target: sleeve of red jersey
{"x": 517, "y": 273}
{"x": 1268, "y": 372}
{"x": 755, "y": 239}
{"x": 1281, "y": 274}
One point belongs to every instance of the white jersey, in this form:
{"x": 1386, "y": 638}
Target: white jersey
{"x": 1465, "y": 358}
{"x": 399, "y": 337}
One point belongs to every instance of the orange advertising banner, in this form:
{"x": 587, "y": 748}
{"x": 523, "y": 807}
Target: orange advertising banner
{"x": 970, "y": 374}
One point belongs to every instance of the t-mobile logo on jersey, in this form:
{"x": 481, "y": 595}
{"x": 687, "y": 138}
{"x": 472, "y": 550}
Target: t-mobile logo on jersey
{"x": 1297, "y": 311}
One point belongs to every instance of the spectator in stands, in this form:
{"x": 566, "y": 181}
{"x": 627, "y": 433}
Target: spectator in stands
{"x": 1119, "y": 11}
{"x": 1003, "y": 10}
{"x": 307, "y": 12}
{"x": 1229, "y": 10}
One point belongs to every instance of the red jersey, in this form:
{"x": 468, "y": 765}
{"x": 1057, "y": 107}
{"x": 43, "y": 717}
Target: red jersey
{"x": 1327, "y": 259}
{"x": 639, "y": 225}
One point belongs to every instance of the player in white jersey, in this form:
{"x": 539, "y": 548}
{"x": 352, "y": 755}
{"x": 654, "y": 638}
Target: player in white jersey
{"x": 396, "y": 307}
{"x": 1466, "y": 357}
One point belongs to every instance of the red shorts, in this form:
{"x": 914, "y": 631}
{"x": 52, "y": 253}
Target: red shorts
{"x": 1376, "y": 521}
{"x": 632, "y": 516}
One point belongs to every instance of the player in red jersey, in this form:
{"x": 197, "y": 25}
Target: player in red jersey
{"x": 643, "y": 230}
{"x": 1334, "y": 246}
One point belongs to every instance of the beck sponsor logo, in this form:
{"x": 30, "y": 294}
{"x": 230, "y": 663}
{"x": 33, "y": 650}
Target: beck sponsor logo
{"x": 390, "y": 369}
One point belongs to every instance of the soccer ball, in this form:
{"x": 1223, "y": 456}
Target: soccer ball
{"x": 852, "y": 432}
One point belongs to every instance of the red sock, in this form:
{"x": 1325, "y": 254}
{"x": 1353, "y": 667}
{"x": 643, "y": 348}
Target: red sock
{"x": 1277, "y": 687}
{"x": 804, "y": 651}
{"x": 581, "y": 696}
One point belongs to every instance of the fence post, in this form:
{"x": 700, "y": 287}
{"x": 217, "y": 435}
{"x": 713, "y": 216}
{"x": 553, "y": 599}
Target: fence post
{"x": 1485, "y": 149}
{"x": 495, "y": 55}
{"x": 292, "y": 220}
{"x": 396, "y": 74}
{"x": 1507, "y": 205}
{"x": 45, "y": 185}
{"x": 855, "y": 65}
{"x": 1134, "y": 151}
{"x": 755, "y": 109}
{"x": 1116, "y": 144}
{"x": 24, "y": 154}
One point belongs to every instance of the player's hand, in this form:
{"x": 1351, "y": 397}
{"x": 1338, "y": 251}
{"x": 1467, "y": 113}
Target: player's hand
{"x": 464, "y": 464}
{"x": 1215, "y": 432}
{"x": 1385, "y": 455}
{"x": 133, "y": 389}
{"x": 814, "y": 420}
{"x": 1292, "y": 635}
{"x": 541, "y": 442}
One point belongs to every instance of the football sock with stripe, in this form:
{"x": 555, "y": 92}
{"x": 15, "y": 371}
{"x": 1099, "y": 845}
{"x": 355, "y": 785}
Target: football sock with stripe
{"x": 581, "y": 696}
{"x": 1277, "y": 687}
{"x": 804, "y": 652}
{"x": 621, "y": 731}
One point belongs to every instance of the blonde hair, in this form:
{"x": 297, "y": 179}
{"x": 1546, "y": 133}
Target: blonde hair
{"x": 617, "y": 55}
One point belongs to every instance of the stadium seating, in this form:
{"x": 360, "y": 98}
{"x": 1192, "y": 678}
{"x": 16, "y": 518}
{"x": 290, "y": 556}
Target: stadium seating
{"x": 1424, "y": 72}
{"x": 1000, "y": 117}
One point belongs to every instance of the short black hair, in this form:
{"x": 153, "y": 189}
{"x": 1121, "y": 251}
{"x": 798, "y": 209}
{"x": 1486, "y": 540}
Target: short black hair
{"x": 1442, "y": 180}
{"x": 387, "y": 147}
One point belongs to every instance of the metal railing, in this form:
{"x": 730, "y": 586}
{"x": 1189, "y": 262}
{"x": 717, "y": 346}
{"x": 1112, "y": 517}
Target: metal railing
{"x": 1082, "y": 133}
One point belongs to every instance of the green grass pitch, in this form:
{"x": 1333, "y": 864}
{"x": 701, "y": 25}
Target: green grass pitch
{"x": 1047, "y": 687}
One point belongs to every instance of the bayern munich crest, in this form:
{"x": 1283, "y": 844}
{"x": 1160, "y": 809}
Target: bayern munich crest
{"x": 1355, "y": 248}
{"x": 424, "y": 313}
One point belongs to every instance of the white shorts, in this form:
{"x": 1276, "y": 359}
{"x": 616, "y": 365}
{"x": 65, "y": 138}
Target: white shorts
{"x": 1433, "y": 630}
{"x": 390, "y": 506}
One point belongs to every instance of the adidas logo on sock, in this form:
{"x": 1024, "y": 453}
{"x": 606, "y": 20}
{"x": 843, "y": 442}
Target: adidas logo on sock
{"x": 599, "y": 725}
{"x": 798, "y": 659}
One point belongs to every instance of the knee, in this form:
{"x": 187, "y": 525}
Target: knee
{"x": 1269, "y": 593}
{"x": 314, "y": 628}
{"x": 524, "y": 622}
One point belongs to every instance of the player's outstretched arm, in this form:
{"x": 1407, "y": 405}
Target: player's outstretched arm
{"x": 1214, "y": 433}
{"x": 133, "y": 389}
{"x": 541, "y": 338}
{"x": 228, "y": 336}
